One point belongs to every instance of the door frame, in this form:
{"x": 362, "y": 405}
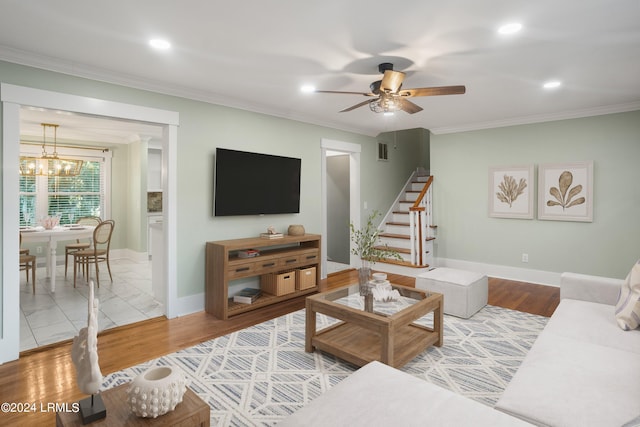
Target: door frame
{"x": 13, "y": 97}
{"x": 353, "y": 150}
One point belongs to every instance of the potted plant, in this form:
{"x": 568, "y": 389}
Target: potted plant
{"x": 367, "y": 246}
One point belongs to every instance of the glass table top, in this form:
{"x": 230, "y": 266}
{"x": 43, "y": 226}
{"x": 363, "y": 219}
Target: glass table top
{"x": 350, "y": 297}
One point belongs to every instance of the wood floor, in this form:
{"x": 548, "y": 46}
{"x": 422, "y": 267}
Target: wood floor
{"x": 47, "y": 375}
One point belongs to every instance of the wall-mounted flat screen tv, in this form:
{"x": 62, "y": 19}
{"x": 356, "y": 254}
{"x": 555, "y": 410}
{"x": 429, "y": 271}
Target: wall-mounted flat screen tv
{"x": 255, "y": 184}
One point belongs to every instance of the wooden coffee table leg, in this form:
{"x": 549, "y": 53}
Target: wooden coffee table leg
{"x": 310, "y": 327}
{"x": 387, "y": 346}
{"x": 438, "y": 323}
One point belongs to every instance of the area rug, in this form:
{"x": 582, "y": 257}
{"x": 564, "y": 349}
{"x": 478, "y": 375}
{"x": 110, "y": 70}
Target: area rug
{"x": 259, "y": 375}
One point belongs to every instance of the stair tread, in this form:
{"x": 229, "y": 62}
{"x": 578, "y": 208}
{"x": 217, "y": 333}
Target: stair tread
{"x": 394, "y": 235}
{"x": 398, "y": 223}
{"x": 391, "y": 248}
{"x": 402, "y": 263}
{"x": 401, "y": 236}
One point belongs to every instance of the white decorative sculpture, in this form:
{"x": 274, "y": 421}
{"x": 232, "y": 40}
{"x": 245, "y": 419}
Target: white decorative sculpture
{"x": 157, "y": 391}
{"x": 84, "y": 354}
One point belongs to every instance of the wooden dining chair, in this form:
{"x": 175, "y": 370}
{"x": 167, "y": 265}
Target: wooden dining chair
{"x": 73, "y": 247}
{"x": 96, "y": 254}
{"x": 28, "y": 262}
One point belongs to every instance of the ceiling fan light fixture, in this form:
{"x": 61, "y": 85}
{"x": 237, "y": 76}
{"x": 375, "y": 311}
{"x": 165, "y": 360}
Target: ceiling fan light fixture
{"x": 384, "y": 105}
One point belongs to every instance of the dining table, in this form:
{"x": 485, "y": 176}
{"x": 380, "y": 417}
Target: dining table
{"x": 51, "y": 237}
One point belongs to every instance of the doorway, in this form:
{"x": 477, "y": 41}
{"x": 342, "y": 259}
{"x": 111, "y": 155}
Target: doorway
{"x": 340, "y": 203}
{"x": 13, "y": 97}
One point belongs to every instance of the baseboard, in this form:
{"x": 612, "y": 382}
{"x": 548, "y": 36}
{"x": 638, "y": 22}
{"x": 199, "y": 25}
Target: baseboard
{"x": 540, "y": 277}
{"x": 189, "y": 304}
{"x": 129, "y": 254}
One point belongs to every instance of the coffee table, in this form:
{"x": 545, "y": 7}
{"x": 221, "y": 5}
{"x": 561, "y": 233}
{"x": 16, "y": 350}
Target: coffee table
{"x": 387, "y": 334}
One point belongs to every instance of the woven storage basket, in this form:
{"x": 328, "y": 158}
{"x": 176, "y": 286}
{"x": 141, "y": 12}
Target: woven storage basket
{"x": 278, "y": 283}
{"x": 305, "y": 278}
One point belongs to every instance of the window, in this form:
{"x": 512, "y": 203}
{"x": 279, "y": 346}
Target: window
{"x": 69, "y": 197}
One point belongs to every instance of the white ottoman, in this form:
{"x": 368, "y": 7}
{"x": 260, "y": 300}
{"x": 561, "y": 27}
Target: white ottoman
{"x": 465, "y": 292}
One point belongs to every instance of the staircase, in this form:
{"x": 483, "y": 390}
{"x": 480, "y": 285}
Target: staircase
{"x": 408, "y": 228}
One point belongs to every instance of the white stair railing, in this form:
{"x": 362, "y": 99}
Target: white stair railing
{"x": 420, "y": 224}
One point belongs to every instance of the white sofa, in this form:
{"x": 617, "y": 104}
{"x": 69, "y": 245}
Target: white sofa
{"x": 583, "y": 370}
{"x": 378, "y": 395}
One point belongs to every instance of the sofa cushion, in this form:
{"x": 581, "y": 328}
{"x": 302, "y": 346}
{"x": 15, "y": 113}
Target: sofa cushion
{"x": 592, "y": 322}
{"x": 628, "y": 305}
{"x": 378, "y": 395}
{"x": 571, "y": 382}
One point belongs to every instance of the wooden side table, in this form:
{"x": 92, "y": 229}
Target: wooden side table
{"x": 193, "y": 411}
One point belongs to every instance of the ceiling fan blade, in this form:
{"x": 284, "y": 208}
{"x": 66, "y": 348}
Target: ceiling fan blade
{"x": 408, "y": 106}
{"x": 345, "y": 93}
{"x": 392, "y": 81}
{"x": 433, "y": 91}
{"x": 361, "y": 104}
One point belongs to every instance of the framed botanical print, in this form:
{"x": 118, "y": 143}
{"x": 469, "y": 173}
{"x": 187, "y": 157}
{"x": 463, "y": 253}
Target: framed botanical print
{"x": 511, "y": 191}
{"x": 565, "y": 191}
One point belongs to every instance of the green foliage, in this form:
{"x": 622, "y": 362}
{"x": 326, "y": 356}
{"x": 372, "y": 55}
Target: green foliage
{"x": 366, "y": 241}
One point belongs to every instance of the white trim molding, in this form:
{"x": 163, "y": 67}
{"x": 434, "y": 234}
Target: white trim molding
{"x": 539, "y": 277}
{"x": 354, "y": 190}
{"x": 13, "y": 97}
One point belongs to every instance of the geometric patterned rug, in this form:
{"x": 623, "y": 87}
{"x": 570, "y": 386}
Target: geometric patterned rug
{"x": 261, "y": 374}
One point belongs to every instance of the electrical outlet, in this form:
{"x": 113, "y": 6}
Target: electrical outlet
{"x": 525, "y": 257}
{"x": 39, "y": 249}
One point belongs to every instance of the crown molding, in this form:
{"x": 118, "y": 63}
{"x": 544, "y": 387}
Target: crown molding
{"x": 108, "y": 76}
{"x": 53, "y": 64}
{"x": 539, "y": 118}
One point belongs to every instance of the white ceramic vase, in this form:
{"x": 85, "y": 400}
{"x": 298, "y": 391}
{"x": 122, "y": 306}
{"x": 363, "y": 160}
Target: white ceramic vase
{"x": 156, "y": 391}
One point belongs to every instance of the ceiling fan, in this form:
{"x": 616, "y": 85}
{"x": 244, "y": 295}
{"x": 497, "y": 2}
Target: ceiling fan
{"x": 388, "y": 95}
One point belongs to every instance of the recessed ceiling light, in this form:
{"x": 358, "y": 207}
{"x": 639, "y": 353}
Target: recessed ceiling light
{"x": 160, "y": 44}
{"x": 511, "y": 28}
{"x": 552, "y": 84}
{"x": 307, "y": 89}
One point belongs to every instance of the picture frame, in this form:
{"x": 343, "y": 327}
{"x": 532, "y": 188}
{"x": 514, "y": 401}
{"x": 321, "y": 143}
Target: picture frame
{"x": 565, "y": 191}
{"x": 511, "y": 191}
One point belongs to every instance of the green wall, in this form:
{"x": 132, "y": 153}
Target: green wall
{"x": 608, "y": 246}
{"x": 203, "y": 127}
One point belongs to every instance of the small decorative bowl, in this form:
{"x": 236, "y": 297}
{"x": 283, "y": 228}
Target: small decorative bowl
{"x": 379, "y": 277}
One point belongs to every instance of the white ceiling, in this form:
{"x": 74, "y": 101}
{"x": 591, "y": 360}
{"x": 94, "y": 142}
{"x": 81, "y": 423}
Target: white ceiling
{"x": 255, "y": 55}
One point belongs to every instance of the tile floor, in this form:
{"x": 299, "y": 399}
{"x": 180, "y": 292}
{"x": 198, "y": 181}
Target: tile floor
{"x": 48, "y": 317}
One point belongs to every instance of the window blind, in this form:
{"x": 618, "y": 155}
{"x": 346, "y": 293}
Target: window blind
{"x": 69, "y": 197}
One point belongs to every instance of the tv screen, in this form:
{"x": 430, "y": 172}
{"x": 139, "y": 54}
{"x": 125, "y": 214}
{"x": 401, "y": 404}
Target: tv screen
{"x": 255, "y": 184}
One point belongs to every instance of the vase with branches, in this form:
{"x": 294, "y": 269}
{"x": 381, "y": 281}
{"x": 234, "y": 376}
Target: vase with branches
{"x": 367, "y": 246}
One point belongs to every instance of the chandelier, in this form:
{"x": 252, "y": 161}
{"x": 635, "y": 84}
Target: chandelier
{"x": 49, "y": 164}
